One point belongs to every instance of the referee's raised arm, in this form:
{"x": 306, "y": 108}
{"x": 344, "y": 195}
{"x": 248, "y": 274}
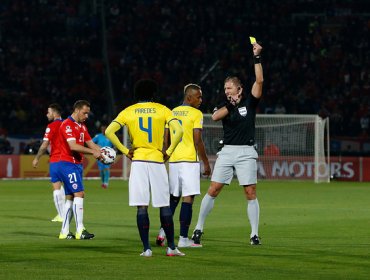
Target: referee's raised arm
{"x": 257, "y": 86}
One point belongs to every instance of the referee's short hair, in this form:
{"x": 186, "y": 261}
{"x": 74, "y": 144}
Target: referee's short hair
{"x": 145, "y": 90}
{"x": 234, "y": 80}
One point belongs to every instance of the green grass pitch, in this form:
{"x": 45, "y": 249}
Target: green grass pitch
{"x": 309, "y": 231}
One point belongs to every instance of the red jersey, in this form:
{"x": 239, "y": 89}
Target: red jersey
{"x": 51, "y": 135}
{"x": 72, "y": 130}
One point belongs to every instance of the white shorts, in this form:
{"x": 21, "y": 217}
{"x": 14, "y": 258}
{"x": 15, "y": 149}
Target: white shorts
{"x": 242, "y": 159}
{"x": 184, "y": 178}
{"x": 148, "y": 178}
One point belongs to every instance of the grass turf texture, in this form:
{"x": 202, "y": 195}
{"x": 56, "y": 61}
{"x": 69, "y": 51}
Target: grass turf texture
{"x": 309, "y": 231}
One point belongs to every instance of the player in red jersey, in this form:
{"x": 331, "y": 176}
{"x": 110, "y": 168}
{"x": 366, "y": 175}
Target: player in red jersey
{"x": 73, "y": 136}
{"x": 51, "y": 140}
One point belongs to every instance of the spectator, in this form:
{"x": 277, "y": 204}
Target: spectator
{"x": 271, "y": 149}
{"x": 280, "y": 108}
{"x": 52, "y": 52}
{"x": 5, "y": 147}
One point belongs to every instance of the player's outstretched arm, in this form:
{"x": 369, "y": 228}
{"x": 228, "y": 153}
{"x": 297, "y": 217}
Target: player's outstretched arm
{"x": 110, "y": 133}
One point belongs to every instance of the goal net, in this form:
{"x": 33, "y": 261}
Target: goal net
{"x": 289, "y": 146}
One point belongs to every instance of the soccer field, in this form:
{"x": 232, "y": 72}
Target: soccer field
{"x": 309, "y": 231}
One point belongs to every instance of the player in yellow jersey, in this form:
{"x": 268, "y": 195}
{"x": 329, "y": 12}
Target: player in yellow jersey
{"x": 184, "y": 165}
{"x": 146, "y": 121}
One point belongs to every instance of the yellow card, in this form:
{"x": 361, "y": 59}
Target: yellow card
{"x": 253, "y": 40}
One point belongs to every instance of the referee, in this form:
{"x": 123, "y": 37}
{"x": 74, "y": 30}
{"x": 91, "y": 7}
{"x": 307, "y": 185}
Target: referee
{"x": 238, "y": 115}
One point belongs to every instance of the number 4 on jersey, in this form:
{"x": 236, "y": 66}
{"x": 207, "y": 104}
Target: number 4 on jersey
{"x": 146, "y": 129}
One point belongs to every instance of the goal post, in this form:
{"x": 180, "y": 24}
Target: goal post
{"x": 289, "y": 146}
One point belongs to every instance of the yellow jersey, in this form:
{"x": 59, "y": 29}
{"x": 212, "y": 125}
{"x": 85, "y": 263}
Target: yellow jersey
{"x": 146, "y": 122}
{"x": 190, "y": 118}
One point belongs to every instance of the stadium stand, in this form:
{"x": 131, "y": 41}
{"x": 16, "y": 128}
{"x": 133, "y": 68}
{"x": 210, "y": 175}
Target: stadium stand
{"x": 316, "y": 57}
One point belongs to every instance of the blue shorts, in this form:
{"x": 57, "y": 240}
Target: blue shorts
{"x": 102, "y": 165}
{"x": 71, "y": 175}
{"x": 53, "y": 171}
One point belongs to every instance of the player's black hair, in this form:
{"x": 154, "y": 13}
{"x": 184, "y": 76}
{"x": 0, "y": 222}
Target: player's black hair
{"x": 145, "y": 90}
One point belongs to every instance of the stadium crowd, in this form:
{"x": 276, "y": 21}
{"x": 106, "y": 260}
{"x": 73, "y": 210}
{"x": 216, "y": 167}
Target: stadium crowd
{"x": 316, "y": 57}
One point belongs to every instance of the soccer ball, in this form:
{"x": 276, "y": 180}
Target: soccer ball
{"x": 108, "y": 155}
